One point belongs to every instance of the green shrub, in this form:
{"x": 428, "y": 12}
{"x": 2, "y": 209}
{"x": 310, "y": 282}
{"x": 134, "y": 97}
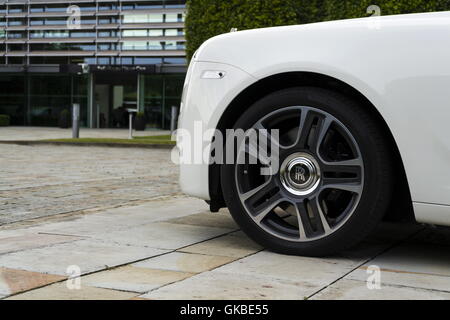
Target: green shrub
{"x": 339, "y": 9}
{"x": 208, "y": 18}
{"x": 4, "y": 120}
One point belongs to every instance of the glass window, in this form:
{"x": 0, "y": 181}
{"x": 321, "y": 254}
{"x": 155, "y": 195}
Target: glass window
{"x": 175, "y": 3}
{"x": 107, "y": 20}
{"x": 16, "y": 60}
{"x": 16, "y": 47}
{"x": 159, "y": 93}
{"x": 135, "y": 33}
{"x": 107, "y": 46}
{"x": 36, "y": 22}
{"x": 14, "y": 35}
{"x": 107, "y": 6}
{"x": 155, "y": 32}
{"x": 16, "y": 9}
{"x": 152, "y": 92}
{"x": 155, "y": 45}
{"x": 12, "y": 98}
{"x": 82, "y": 34}
{"x": 50, "y": 94}
{"x": 181, "y": 61}
{"x": 36, "y": 9}
{"x": 147, "y": 60}
{"x": 174, "y": 17}
{"x": 104, "y": 60}
{"x": 56, "y": 34}
{"x": 171, "y": 32}
{"x": 149, "y": 4}
{"x": 134, "y": 45}
{"x": 143, "y": 18}
{"x": 15, "y": 22}
{"x": 37, "y": 34}
{"x": 107, "y": 33}
{"x": 170, "y": 45}
{"x": 173, "y": 87}
{"x": 127, "y": 60}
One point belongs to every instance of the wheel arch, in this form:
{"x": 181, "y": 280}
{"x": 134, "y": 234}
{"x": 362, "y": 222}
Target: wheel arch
{"x": 401, "y": 208}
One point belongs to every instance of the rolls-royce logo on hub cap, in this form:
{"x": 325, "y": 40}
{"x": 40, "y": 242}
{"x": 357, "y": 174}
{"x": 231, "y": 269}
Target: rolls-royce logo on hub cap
{"x": 300, "y": 174}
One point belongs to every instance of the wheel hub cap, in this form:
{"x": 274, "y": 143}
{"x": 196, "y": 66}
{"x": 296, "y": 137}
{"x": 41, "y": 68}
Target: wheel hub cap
{"x": 300, "y": 174}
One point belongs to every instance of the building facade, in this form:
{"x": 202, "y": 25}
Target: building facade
{"x": 106, "y": 55}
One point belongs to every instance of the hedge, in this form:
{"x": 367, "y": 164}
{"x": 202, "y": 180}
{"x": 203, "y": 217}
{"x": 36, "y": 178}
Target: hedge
{"x": 338, "y": 9}
{"x": 4, "y": 120}
{"x": 208, "y": 18}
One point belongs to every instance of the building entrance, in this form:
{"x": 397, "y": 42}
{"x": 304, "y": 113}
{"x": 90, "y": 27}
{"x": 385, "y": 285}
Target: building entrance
{"x": 114, "y": 93}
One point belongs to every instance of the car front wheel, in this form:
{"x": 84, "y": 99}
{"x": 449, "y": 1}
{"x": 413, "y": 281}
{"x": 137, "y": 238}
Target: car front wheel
{"x": 333, "y": 181}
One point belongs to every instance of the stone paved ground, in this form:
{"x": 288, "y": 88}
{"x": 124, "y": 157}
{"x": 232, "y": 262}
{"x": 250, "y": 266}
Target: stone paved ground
{"x": 39, "y": 181}
{"x": 117, "y": 216}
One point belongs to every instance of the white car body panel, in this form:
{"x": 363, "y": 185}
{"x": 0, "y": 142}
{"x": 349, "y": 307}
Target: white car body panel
{"x": 399, "y": 63}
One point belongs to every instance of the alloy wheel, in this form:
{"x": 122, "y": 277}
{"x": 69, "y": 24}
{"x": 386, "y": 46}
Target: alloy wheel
{"x": 319, "y": 182}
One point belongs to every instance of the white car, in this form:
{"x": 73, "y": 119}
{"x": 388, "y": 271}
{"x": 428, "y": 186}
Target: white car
{"x": 362, "y": 108}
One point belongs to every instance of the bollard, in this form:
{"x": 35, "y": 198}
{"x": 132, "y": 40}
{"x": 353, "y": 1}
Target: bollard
{"x": 130, "y": 134}
{"x": 173, "y": 119}
{"x": 130, "y": 112}
{"x": 76, "y": 121}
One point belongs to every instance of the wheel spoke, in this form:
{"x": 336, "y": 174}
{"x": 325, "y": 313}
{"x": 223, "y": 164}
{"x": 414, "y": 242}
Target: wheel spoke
{"x": 258, "y": 148}
{"x": 306, "y": 228}
{"x": 256, "y": 152}
{"x": 319, "y": 215}
{"x": 312, "y": 130}
{"x": 321, "y": 131}
{"x": 343, "y": 175}
{"x": 262, "y": 189}
{"x": 302, "y": 214}
{"x": 267, "y": 207}
{"x": 263, "y": 199}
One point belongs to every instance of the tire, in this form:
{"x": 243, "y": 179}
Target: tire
{"x": 334, "y": 182}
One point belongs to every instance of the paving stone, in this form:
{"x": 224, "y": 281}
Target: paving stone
{"x": 41, "y": 181}
{"x": 357, "y": 290}
{"x": 208, "y": 219}
{"x": 89, "y": 255}
{"x": 124, "y": 218}
{"x": 13, "y": 281}
{"x": 406, "y": 279}
{"x": 135, "y": 279}
{"x": 315, "y": 271}
{"x": 235, "y": 245}
{"x": 215, "y": 285}
{"x": 184, "y": 262}
{"x": 29, "y": 241}
{"x": 163, "y": 235}
{"x": 413, "y": 265}
{"x": 412, "y": 258}
{"x": 60, "y": 291}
